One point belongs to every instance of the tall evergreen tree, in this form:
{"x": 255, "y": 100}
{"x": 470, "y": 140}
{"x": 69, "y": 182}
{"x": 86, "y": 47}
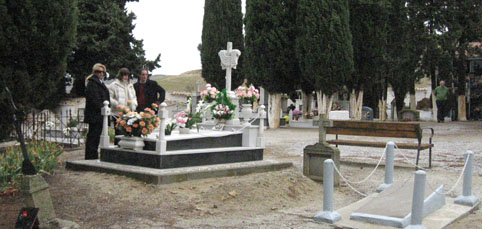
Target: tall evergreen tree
{"x": 324, "y": 45}
{"x": 105, "y": 36}
{"x": 403, "y": 52}
{"x": 270, "y": 48}
{"x": 368, "y": 23}
{"x": 35, "y": 38}
{"x": 223, "y": 22}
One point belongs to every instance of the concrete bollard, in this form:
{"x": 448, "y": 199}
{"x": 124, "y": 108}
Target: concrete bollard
{"x": 418, "y": 200}
{"x": 467, "y": 198}
{"x": 260, "y": 139}
{"x": 161, "y": 143}
{"x": 328, "y": 215}
{"x": 104, "y": 137}
{"x": 389, "y": 164}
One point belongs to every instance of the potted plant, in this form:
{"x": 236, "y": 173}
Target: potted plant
{"x": 209, "y": 94}
{"x": 247, "y": 95}
{"x": 187, "y": 119}
{"x": 296, "y": 114}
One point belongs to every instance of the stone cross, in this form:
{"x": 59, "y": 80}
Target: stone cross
{"x": 324, "y": 123}
{"x": 229, "y": 60}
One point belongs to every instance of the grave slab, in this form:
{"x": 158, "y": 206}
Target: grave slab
{"x": 381, "y": 209}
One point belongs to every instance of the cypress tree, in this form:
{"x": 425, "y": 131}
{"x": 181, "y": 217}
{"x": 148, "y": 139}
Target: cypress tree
{"x": 270, "y": 50}
{"x": 223, "y": 22}
{"x": 368, "y": 24}
{"x": 35, "y": 37}
{"x": 105, "y": 36}
{"x": 324, "y": 45}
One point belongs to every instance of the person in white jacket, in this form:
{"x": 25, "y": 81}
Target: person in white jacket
{"x": 122, "y": 93}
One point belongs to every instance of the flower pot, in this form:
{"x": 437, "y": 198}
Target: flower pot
{"x": 221, "y": 121}
{"x": 184, "y": 130}
{"x": 246, "y": 111}
{"x": 131, "y": 142}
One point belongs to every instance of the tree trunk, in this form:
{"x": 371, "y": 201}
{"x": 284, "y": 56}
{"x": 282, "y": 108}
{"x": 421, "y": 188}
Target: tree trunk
{"x": 434, "y": 107}
{"x": 274, "y": 110}
{"x": 319, "y": 99}
{"x": 462, "y": 109}
{"x": 382, "y": 109}
{"x": 413, "y": 101}
{"x": 359, "y": 105}
{"x": 352, "y": 108}
{"x": 307, "y": 101}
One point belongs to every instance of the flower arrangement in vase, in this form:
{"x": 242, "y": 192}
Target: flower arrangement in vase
{"x": 297, "y": 114}
{"x": 247, "y": 94}
{"x": 136, "y": 124}
{"x": 187, "y": 119}
{"x": 224, "y": 109}
{"x": 209, "y": 94}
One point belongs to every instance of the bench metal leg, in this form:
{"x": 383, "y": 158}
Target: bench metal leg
{"x": 418, "y": 153}
{"x": 430, "y": 154}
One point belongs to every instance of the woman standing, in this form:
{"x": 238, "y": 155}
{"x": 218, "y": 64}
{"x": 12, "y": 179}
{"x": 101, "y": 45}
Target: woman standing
{"x": 95, "y": 94}
{"x": 122, "y": 93}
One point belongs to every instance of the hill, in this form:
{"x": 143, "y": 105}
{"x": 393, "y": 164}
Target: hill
{"x": 184, "y": 82}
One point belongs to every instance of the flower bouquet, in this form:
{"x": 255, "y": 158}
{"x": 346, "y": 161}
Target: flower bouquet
{"x": 223, "y": 109}
{"x": 136, "y": 124}
{"x": 187, "y": 119}
{"x": 209, "y": 94}
{"x": 297, "y": 114}
{"x": 247, "y": 94}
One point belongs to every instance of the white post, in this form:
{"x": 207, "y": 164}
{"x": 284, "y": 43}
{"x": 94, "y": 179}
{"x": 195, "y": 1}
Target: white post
{"x": 467, "y": 198}
{"x": 262, "y": 114}
{"x": 417, "y": 200}
{"x": 161, "y": 143}
{"x": 104, "y": 137}
{"x": 261, "y": 95}
{"x": 389, "y": 164}
{"x": 328, "y": 215}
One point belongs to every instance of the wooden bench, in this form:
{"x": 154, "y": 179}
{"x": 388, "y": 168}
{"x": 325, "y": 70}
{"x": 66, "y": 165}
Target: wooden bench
{"x": 381, "y": 129}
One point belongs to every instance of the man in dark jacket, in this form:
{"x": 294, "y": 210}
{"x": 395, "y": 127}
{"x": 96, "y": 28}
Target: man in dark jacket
{"x": 95, "y": 94}
{"x": 148, "y": 92}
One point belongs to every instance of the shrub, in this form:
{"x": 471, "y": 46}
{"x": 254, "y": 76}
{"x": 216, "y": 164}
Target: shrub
{"x": 44, "y": 156}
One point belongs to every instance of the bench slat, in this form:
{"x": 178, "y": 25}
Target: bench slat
{"x": 394, "y": 126}
{"x": 378, "y": 144}
{"x": 372, "y": 132}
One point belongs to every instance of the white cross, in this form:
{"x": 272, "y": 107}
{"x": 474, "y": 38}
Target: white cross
{"x": 229, "y": 60}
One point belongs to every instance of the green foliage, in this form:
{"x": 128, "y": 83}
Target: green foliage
{"x": 223, "y": 102}
{"x": 73, "y": 122}
{"x": 35, "y": 38}
{"x": 105, "y": 36}
{"x": 44, "y": 156}
{"x": 222, "y": 22}
{"x": 324, "y": 44}
{"x": 270, "y": 45}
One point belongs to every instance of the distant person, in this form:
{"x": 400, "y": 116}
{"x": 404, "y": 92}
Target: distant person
{"x": 95, "y": 94}
{"x": 148, "y": 92}
{"x": 441, "y": 92}
{"x": 122, "y": 93}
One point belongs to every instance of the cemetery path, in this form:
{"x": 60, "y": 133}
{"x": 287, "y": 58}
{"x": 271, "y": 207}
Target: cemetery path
{"x": 280, "y": 199}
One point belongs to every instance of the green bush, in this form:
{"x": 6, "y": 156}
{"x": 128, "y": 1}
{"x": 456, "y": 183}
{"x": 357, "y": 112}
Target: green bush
{"x": 44, "y": 156}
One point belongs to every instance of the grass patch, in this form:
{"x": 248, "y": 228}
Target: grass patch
{"x": 185, "y": 82}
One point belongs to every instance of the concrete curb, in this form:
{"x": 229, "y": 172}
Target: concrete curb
{"x": 167, "y": 176}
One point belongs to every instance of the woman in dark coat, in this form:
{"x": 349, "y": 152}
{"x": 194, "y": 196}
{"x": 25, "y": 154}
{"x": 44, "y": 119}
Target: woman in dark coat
{"x": 95, "y": 94}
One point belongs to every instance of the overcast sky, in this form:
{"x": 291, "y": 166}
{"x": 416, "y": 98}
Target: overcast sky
{"x": 172, "y": 28}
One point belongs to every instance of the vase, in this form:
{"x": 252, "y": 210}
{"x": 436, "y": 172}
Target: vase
{"x": 246, "y": 112}
{"x": 131, "y": 142}
{"x": 184, "y": 130}
{"x": 221, "y": 121}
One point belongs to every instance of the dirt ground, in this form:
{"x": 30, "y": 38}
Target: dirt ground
{"x": 280, "y": 199}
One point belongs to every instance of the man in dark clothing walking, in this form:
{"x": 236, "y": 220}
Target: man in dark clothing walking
{"x": 95, "y": 94}
{"x": 441, "y": 93}
{"x": 148, "y": 92}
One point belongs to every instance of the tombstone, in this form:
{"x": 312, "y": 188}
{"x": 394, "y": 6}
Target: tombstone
{"x": 367, "y": 113}
{"x": 315, "y": 155}
{"x": 229, "y": 61}
{"x": 409, "y": 115}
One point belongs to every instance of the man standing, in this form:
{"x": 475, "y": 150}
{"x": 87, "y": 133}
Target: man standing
{"x": 148, "y": 92}
{"x": 95, "y": 94}
{"x": 441, "y": 93}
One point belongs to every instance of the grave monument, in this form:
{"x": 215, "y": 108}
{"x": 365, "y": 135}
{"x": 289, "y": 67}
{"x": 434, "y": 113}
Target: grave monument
{"x": 315, "y": 155}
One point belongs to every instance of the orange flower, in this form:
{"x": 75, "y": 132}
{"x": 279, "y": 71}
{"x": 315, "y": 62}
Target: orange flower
{"x": 128, "y": 129}
{"x": 142, "y": 123}
{"x": 135, "y": 125}
{"x": 120, "y": 113}
{"x": 151, "y": 127}
{"x": 152, "y": 112}
{"x": 144, "y": 131}
{"x": 118, "y": 107}
{"x": 119, "y": 120}
{"x": 123, "y": 122}
{"x": 154, "y": 105}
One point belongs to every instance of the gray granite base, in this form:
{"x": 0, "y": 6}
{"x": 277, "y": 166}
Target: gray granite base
{"x": 228, "y": 140}
{"x": 181, "y": 158}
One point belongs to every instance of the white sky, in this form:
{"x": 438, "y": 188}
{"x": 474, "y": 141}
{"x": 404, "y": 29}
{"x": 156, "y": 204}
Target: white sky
{"x": 172, "y": 28}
